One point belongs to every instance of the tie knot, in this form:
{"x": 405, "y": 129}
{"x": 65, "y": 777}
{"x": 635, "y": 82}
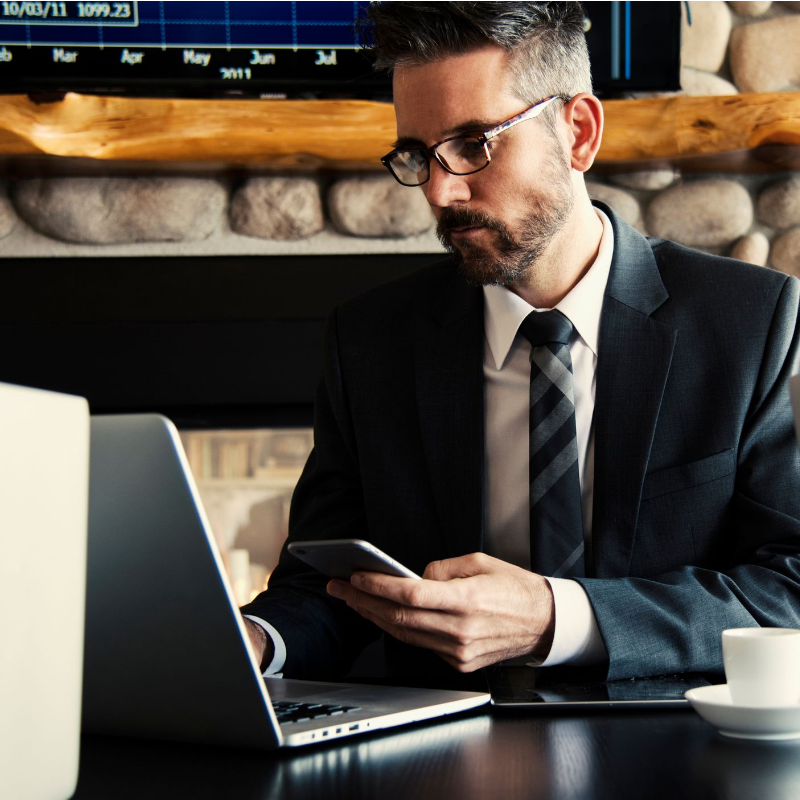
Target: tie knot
{"x": 546, "y": 327}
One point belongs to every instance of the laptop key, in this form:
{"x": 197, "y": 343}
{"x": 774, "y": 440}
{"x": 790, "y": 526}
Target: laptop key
{"x": 288, "y": 712}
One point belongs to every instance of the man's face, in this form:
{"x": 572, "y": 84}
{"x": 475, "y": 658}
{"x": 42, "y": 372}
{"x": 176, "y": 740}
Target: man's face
{"x": 498, "y": 221}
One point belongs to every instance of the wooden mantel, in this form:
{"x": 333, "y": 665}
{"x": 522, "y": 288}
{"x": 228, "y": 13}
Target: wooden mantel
{"x": 750, "y": 128}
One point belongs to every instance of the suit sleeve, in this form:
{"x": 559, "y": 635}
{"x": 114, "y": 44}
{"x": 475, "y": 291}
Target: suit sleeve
{"x": 322, "y": 635}
{"x": 672, "y": 622}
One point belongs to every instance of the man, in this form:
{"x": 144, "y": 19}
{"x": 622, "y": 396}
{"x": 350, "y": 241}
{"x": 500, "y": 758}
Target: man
{"x": 580, "y": 437}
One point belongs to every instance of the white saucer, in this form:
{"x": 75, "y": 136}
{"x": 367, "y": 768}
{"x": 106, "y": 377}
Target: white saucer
{"x": 713, "y": 704}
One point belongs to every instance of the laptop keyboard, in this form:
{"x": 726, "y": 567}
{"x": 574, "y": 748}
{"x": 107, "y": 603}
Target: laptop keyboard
{"x": 303, "y": 712}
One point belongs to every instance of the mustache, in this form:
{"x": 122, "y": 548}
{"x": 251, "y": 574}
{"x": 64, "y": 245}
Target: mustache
{"x": 452, "y": 218}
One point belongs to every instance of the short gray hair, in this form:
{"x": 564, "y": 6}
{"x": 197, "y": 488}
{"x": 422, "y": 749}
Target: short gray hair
{"x": 546, "y": 41}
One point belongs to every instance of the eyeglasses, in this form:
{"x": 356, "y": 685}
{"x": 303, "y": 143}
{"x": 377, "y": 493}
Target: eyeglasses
{"x": 458, "y": 155}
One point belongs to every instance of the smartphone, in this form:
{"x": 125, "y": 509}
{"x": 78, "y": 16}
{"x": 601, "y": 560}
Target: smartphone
{"x": 340, "y": 558}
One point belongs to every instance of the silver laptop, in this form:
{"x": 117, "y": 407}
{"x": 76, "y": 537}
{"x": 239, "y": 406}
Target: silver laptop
{"x": 166, "y": 654}
{"x": 44, "y": 488}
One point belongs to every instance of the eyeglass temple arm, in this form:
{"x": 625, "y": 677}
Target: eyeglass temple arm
{"x": 528, "y": 113}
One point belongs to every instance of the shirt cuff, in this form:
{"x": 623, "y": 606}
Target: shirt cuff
{"x": 577, "y": 638}
{"x": 279, "y": 647}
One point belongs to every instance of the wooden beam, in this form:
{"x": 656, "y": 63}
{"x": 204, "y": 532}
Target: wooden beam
{"x": 308, "y": 133}
{"x": 675, "y": 128}
{"x": 352, "y": 134}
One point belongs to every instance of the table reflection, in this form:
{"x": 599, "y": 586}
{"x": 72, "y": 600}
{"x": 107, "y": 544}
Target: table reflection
{"x": 742, "y": 770}
{"x": 484, "y": 754}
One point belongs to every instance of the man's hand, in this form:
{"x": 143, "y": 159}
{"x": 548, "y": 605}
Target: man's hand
{"x": 260, "y": 643}
{"x": 472, "y": 611}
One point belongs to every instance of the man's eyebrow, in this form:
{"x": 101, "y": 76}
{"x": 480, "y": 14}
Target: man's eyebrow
{"x": 470, "y": 126}
{"x": 408, "y": 143}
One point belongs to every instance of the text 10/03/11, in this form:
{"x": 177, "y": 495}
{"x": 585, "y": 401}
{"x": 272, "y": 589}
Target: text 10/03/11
{"x": 64, "y": 12}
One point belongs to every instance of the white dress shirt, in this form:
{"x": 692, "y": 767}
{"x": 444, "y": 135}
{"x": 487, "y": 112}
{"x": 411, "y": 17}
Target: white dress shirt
{"x": 506, "y": 372}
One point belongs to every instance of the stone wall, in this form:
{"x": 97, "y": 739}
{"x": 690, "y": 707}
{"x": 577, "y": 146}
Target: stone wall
{"x": 164, "y": 215}
{"x": 729, "y": 47}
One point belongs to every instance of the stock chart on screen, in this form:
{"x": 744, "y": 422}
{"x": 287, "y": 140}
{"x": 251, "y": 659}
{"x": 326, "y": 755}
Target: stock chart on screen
{"x": 272, "y": 49}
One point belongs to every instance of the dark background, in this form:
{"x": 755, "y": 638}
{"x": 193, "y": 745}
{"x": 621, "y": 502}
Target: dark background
{"x": 209, "y": 342}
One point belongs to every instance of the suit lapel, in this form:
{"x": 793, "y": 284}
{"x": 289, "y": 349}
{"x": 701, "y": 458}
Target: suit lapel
{"x": 634, "y": 357}
{"x": 449, "y": 388}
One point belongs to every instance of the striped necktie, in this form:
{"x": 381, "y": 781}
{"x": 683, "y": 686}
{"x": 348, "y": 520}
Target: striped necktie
{"x": 555, "y": 493}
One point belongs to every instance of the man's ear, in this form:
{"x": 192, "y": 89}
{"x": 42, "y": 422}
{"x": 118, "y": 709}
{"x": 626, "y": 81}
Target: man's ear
{"x": 584, "y": 118}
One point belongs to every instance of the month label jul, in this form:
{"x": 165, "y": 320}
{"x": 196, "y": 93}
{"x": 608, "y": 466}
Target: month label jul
{"x": 325, "y": 59}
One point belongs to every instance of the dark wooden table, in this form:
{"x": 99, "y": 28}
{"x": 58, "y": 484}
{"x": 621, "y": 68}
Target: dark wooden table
{"x": 485, "y": 754}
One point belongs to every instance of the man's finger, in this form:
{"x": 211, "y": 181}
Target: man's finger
{"x": 462, "y": 567}
{"x": 433, "y": 595}
{"x": 400, "y": 614}
{"x": 463, "y": 657}
{"x": 459, "y": 654}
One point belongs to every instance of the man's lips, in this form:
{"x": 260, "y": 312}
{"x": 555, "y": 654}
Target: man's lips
{"x": 469, "y": 230}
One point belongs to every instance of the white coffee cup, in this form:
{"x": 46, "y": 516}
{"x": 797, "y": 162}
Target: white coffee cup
{"x": 762, "y": 666}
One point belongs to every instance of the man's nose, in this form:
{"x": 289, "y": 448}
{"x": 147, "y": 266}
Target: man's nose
{"x": 443, "y": 189}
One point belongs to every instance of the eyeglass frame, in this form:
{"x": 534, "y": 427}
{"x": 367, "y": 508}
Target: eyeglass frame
{"x": 529, "y": 113}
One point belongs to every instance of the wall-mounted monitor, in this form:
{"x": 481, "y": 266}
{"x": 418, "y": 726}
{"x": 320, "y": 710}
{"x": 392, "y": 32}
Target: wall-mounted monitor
{"x": 272, "y": 49}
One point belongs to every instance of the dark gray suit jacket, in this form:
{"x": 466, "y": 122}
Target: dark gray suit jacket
{"x": 696, "y": 517}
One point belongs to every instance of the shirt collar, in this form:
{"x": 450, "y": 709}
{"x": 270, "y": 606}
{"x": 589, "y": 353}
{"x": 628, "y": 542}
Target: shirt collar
{"x": 504, "y": 310}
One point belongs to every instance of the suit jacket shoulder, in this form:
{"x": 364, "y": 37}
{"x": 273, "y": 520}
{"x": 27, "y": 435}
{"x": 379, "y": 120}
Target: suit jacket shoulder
{"x": 692, "y": 274}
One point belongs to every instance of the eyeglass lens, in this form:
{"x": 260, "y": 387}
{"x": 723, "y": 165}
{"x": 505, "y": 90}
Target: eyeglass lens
{"x": 461, "y": 156}
{"x": 410, "y": 167}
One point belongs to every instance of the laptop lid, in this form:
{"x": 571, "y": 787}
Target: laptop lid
{"x": 165, "y": 655}
{"x": 44, "y": 482}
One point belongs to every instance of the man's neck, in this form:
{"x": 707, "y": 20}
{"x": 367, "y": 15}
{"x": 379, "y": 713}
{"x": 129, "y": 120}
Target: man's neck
{"x": 565, "y": 261}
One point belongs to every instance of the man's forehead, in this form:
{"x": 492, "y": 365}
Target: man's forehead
{"x": 442, "y": 97}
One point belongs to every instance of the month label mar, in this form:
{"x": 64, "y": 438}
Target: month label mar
{"x": 62, "y": 56}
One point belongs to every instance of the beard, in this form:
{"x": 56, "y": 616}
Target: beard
{"x": 513, "y": 253}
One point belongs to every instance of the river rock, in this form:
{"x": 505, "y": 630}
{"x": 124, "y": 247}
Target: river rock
{"x": 779, "y": 205}
{"x": 705, "y": 41}
{"x": 121, "y": 210}
{"x": 7, "y": 216}
{"x": 651, "y": 180}
{"x": 703, "y": 213}
{"x": 277, "y": 208}
{"x": 785, "y": 254}
{"x": 751, "y": 9}
{"x": 753, "y": 248}
{"x": 765, "y": 56}
{"x": 697, "y": 83}
{"x": 373, "y": 205}
{"x": 625, "y": 204}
